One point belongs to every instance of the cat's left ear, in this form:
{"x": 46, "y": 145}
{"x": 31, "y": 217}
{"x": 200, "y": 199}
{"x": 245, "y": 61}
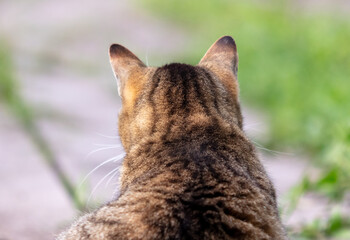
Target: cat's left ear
{"x": 221, "y": 56}
{"x": 125, "y": 64}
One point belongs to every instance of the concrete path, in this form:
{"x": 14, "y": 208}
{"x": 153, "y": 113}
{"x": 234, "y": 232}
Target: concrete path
{"x": 60, "y": 52}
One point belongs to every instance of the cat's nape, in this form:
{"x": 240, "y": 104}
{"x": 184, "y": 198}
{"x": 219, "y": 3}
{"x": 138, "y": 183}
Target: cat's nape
{"x": 189, "y": 171}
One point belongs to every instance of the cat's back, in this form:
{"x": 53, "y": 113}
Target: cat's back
{"x": 200, "y": 191}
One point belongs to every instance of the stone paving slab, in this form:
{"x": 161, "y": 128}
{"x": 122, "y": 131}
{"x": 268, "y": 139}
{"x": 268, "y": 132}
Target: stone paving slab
{"x": 33, "y": 203}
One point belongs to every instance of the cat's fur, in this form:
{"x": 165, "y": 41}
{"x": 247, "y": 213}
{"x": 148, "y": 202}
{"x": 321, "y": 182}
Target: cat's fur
{"x": 189, "y": 172}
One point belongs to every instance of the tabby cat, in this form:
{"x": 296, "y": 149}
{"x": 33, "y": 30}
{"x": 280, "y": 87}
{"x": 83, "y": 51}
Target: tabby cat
{"x": 190, "y": 172}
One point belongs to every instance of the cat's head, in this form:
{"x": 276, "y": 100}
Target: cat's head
{"x": 177, "y": 98}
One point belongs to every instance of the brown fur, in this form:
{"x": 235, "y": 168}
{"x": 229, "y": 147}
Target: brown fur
{"x": 189, "y": 172}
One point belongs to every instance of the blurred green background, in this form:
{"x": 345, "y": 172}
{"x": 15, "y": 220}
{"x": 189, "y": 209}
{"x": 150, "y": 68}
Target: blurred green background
{"x": 294, "y": 66}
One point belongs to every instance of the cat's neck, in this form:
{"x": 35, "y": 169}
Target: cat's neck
{"x": 190, "y": 129}
{"x": 159, "y": 149}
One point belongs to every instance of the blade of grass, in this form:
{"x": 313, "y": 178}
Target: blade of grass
{"x": 11, "y": 98}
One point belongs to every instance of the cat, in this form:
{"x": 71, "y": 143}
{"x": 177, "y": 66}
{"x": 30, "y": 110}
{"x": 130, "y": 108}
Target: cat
{"x": 189, "y": 172}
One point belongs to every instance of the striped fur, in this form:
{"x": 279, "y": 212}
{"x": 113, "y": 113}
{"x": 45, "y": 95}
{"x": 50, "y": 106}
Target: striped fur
{"x": 189, "y": 172}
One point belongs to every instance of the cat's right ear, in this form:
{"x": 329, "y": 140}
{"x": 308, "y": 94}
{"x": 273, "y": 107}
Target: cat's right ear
{"x": 222, "y": 60}
{"x": 125, "y": 64}
{"x": 222, "y": 55}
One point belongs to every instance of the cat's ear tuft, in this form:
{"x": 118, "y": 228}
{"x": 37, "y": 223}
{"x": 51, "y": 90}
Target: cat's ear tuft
{"x": 123, "y": 63}
{"x": 222, "y": 54}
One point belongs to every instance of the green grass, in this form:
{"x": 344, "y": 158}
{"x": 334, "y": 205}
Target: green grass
{"x": 293, "y": 64}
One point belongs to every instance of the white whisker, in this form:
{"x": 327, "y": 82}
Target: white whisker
{"x": 106, "y": 136}
{"x": 98, "y": 184}
{"x": 253, "y": 124}
{"x": 99, "y": 149}
{"x": 259, "y": 146}
{"x": 110, "y": 179}
{"x": 107, "y": 145}
{"x": 119, "y": 157}
{"x": 100, "y": 165}
{"x": 251, "y": 127}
